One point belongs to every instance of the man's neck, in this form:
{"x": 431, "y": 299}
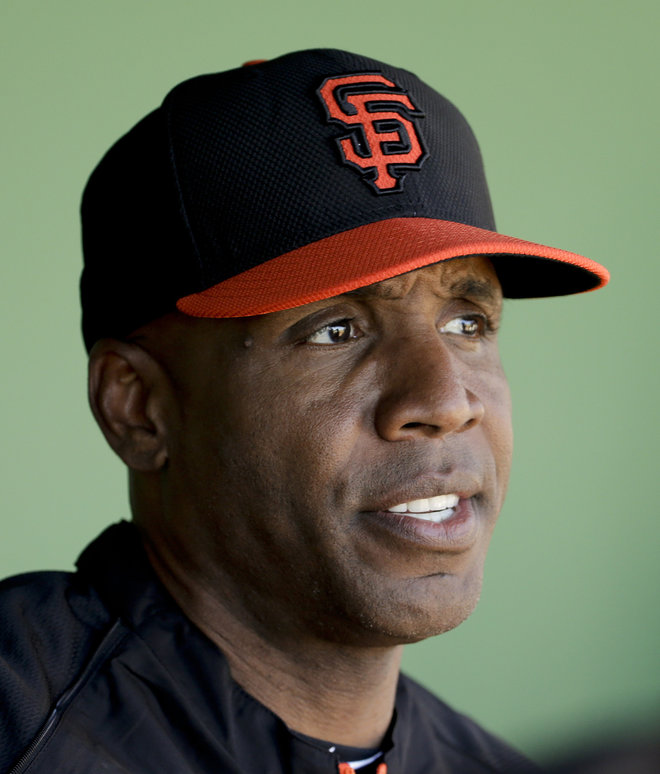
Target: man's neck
{"x": 342, "y": 695}
{"x": 324, "y": 689}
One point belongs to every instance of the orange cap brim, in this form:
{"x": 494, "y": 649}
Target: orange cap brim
{"x": 378, "y": 251}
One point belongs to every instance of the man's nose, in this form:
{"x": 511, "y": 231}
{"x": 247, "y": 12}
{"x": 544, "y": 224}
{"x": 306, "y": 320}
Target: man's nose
{"x": 425, "y": 391}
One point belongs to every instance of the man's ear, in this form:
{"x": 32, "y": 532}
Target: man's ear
{"x": 128, "y": 392}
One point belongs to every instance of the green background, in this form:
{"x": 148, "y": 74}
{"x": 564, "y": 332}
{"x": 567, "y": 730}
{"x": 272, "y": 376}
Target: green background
{"x": 563, "y": 97}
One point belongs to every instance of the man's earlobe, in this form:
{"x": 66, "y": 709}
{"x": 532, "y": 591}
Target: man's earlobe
{"x": 127, "y": 395}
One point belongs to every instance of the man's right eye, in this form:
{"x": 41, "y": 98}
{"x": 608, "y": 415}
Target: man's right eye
{"x": 334, "y": 333}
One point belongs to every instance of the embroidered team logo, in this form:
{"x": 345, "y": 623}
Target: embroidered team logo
{"x": 384, "y": 142}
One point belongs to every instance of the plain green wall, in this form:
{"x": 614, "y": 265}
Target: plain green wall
{"x": 563, "y": 96}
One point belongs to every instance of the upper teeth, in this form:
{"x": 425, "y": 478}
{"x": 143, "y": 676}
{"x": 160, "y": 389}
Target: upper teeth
{"x": 428, "y": 509}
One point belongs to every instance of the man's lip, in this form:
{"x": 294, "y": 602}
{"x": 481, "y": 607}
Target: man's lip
{"x": 426, "y": 489}
{"x": 455, "y": 534}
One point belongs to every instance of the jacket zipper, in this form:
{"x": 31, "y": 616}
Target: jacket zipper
{"x": 108, "y": 644}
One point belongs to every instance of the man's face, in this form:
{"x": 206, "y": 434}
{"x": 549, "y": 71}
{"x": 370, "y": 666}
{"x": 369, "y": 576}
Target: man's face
{"x": 303, "y": 447}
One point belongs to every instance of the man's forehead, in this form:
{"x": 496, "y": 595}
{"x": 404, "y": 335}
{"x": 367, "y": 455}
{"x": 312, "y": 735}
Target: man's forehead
{"x": 472, "y": 277}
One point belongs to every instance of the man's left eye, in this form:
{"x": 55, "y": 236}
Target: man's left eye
{"x": 471, "y": 326}
{"x": 334, "y": 333}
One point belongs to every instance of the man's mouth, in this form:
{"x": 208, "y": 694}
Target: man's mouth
{"x": 435, "y": 509}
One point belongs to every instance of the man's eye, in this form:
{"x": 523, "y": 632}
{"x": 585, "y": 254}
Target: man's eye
{"x": 334, "y": 333}
{"x": 471, "y": 326}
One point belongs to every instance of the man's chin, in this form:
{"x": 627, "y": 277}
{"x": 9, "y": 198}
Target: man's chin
{"x": 403, "y": 621}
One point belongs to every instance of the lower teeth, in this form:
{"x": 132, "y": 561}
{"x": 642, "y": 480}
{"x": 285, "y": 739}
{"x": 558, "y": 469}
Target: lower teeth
{"x": 434, "y": 516}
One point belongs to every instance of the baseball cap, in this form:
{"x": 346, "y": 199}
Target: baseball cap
{"x": 287, "y": 181}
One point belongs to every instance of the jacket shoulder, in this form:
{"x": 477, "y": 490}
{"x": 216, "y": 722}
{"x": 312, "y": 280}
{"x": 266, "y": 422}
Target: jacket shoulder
{"x": 50, "y": 622}
{"x": 474, "y": 748}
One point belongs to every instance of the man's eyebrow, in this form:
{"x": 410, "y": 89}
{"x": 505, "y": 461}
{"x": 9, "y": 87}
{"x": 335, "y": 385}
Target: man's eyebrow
{"x": 477, "y": 289}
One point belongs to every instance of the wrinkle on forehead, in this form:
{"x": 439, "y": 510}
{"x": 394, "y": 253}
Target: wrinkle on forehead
{"x": 471, "y": 277}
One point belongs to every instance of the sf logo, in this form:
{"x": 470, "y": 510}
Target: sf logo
{"x": 384, "y": 142}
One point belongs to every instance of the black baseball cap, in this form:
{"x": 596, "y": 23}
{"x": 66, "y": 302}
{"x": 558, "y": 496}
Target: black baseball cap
{"x": 287, "y": 181}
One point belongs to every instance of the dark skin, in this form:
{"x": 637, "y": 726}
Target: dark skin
{"x": 266, "y": 454}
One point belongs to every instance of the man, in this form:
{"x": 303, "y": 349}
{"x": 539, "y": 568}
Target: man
{"x": 291, "y": 297}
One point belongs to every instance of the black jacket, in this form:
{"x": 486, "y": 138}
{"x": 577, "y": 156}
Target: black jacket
{"x": 101, "y": 672}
